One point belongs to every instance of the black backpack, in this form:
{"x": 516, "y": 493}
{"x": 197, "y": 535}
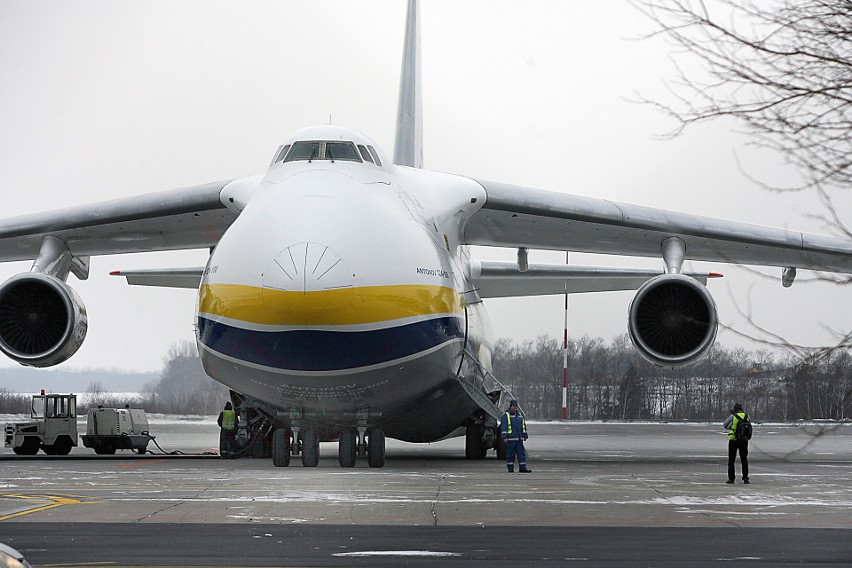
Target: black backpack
{"x": 743, "y": 431}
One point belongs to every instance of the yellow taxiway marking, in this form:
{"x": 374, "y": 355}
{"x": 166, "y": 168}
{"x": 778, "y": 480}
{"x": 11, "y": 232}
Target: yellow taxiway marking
{"x": 47, "y": 502}
{"x": 76, "y": 564}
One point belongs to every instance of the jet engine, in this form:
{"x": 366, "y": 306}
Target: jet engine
{"x": 672, "y": 320}
{"x": 42, "y": 320}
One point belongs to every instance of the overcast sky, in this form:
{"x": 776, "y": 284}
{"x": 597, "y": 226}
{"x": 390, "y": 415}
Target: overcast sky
{"x": 107, "y": 99}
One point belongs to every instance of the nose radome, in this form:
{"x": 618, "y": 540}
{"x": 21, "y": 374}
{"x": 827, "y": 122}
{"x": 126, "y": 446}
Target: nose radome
{"x": 308, "y": 267}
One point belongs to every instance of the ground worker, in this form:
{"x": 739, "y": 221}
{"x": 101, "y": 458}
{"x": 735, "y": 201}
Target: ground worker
{"x": 736, "y": 445}
{"x": 228, "y": 432}
{"x": 513, "y": 430}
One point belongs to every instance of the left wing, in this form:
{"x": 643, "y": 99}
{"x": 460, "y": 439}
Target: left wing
{"x": 516, "y": 216}
{"x": 185, "y": 218}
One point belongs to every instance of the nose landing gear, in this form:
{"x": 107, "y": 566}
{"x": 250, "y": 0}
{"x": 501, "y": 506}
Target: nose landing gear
{"x": 354, "y": 442}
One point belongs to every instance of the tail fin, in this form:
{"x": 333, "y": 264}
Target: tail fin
{"x": 408, "y": 147}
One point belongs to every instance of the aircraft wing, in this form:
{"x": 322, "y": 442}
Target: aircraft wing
{"x": 517, "y": 216}
{"x": 185, "y": 218}
{"x": 495, "y": 279}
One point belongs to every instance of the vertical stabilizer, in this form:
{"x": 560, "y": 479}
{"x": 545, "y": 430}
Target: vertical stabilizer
{"x": 408, "y": 148}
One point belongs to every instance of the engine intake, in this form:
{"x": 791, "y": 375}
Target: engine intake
{"x": 672, "y": 320}
{"x": 42, "y": 320}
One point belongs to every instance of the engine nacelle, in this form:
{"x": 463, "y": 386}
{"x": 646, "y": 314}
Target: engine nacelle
{"x": 672, "y": 320}
{"x": 42, "y": 320}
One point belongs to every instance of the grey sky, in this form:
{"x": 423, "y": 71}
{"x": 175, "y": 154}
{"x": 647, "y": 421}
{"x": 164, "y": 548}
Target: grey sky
{"x": 107, "y": 99}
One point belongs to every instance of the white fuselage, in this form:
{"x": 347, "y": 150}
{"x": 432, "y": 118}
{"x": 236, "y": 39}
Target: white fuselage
{"x": 342, "y": 287}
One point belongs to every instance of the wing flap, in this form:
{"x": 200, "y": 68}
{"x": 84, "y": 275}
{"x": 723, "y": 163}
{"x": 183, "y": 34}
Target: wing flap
{"x": 516, "y": 216}
{"x": 494, "y": 279}
{"x": 163, "y": 277}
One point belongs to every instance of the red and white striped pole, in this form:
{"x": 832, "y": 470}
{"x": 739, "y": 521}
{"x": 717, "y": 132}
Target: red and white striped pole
{"x": 565, "y": 356}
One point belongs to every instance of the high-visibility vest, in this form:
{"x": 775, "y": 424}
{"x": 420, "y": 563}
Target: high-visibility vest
{"x": 509, "y": 424}
{"x": 229, "y": 420}
{"x": 732, "y": 433}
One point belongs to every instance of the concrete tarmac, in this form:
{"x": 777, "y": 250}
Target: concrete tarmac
{"x": 613, "y": 490}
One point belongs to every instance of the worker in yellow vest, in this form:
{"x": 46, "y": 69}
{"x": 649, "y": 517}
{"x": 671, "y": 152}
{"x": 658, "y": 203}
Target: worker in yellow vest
{"x": 738, "y": 426}
{"x": 227, "y": 422}
{"x": 513, "y": 430}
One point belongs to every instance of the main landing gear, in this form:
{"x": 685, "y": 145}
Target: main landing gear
{"x": 480, "y": 438}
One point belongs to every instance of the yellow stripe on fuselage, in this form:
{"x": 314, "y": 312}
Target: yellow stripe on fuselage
{"x": 342, "y": 306}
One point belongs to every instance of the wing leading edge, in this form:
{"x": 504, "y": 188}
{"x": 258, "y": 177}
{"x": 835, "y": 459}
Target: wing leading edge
{"x": 517, "y": 216}
{"x": 184, "y": 218}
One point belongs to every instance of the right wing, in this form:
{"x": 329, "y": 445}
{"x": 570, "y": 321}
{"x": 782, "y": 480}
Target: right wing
{"x": 496, "y": 279}
{"x": 164, "y": 277}
{"x": 517, "y": 216}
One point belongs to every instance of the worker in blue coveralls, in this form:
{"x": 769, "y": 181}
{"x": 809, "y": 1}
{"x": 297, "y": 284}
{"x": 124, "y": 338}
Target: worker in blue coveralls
{"x": 513, "y": 430}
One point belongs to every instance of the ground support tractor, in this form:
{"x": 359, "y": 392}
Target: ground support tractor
{"x": 52, "y": 427}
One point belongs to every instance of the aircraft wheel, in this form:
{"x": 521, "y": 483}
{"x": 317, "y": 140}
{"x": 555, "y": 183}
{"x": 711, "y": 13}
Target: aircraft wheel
{"x": 310, "y": 447}
{"x": 29, "y": 447}
{"x": 281, "y": 448}
{"x": 474, "y": 446}
{"x": 348, "y": 447}
{"x": 500, "y": 447}
{"x": 257, "y": 450}
{"x": 376, "y": 447}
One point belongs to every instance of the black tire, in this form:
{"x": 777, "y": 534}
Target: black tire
{"x": 347, "y": 447}
{"x": 500, "y": 447}
{"x": 104, "y": 448}
{"x": 376, "y": 447}
{"x": 257, "y": 450}
{"x": 281, "y": 448}
{"x": 474, "y": 446}
{"x": 61, "y": 446}
{"x": 29, "y": 447}
{"x": 142, "y": 451}
{"x": 310, "y": 447}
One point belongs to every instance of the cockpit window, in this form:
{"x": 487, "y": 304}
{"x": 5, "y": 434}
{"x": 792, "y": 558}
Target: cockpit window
{"x": 375, "y": 155}
{"x": 341, "y": 151}
{"x": 279, "y": 155}
{"x": 303, "y": 151}
{"x": 365, "y": 153}
{"x": 322, "y": 150}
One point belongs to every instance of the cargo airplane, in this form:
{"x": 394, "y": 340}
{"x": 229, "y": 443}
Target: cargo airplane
{"x": 341, "y": 301}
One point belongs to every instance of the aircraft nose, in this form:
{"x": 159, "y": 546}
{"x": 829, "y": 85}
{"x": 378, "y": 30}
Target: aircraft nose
{"x": 307, "y": 267}
{"x": 308, "y": 284}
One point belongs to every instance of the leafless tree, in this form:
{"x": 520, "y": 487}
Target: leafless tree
{"x": 783, "y": 68}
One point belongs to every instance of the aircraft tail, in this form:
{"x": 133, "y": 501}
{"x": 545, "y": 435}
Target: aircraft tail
{"x": 408, "y": 147}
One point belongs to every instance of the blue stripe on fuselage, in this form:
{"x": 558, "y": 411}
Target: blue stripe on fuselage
{"x": 322, "y": 350}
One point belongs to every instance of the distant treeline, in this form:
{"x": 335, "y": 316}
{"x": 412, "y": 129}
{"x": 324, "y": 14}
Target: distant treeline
{"x": 62, "y": 380}
{"x": 183, "y": 388}
{"x": 608, "y": 381}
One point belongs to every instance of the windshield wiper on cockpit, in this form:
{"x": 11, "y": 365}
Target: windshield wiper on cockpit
{"x": 314, "y": 149}
{"x": 329, "y": 153}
